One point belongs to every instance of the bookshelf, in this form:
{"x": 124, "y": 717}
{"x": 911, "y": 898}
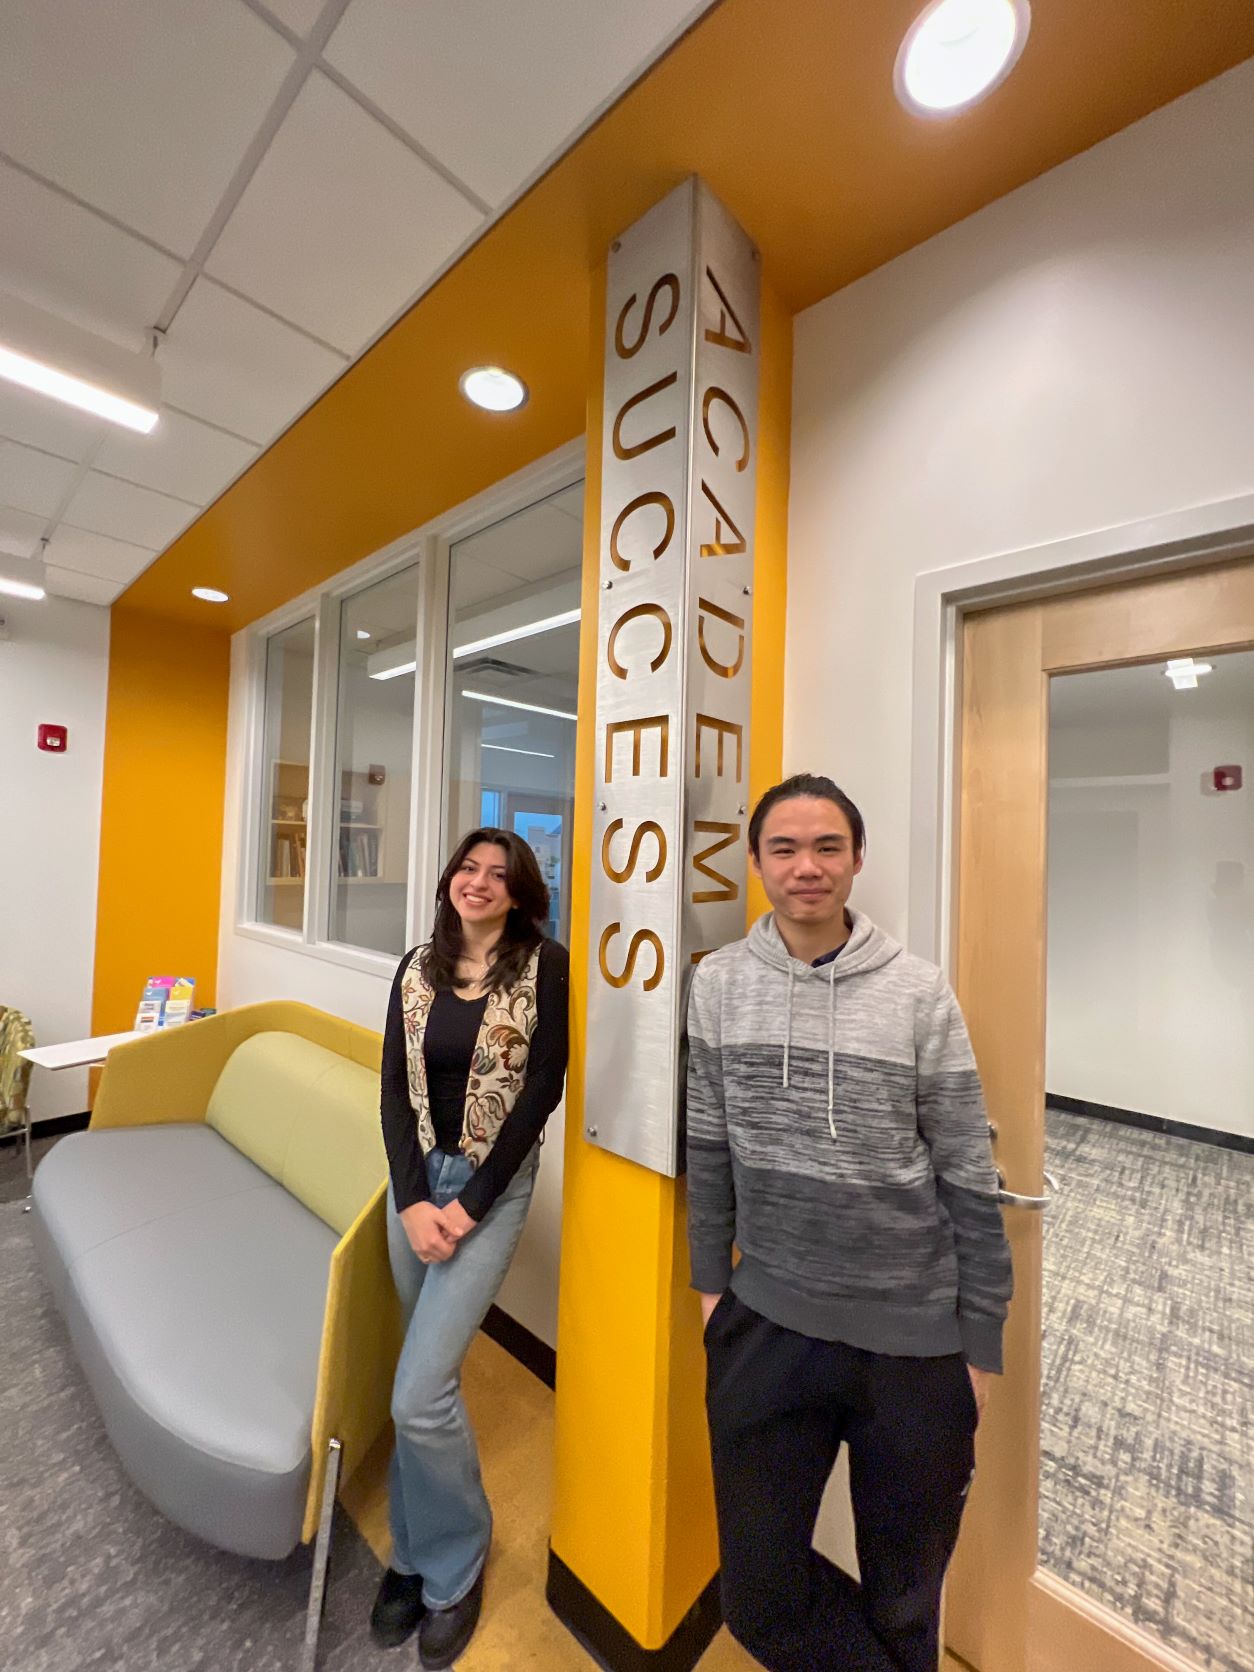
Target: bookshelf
{"x": 363, "y": 854}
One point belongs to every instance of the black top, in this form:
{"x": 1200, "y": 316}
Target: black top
{"x": 447, "y": 1048}
{"x": 828, "y": 957}
{"x": 448, "y": 1045}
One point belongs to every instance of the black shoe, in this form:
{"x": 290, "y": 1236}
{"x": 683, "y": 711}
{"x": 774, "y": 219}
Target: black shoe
{"x": 446, "y": 1631}
{"x": 397, "y": 1608}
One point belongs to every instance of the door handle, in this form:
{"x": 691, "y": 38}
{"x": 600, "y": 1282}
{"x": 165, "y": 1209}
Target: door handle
{"x": 1038, "y": 1204}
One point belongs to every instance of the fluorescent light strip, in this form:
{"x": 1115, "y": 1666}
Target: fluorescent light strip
{"x": 528, "y": 707}
{"x": 21, "y": 589}
{"x": 527, "y": 631}
{"x": 395, "y": 673}
{"x": 504, "y": 749}
{"x": 33, "y": 374}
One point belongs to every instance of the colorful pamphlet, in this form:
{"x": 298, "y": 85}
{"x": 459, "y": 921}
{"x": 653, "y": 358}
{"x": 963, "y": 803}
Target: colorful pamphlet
{"x": 167, "y": 1002}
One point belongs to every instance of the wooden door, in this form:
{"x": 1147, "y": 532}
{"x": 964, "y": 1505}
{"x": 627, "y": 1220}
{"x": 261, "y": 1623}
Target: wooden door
{"x": 1003, "y": 1614}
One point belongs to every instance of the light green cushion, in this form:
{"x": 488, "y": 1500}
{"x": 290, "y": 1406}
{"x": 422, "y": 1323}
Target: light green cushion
{"x": 306, "y": 1116}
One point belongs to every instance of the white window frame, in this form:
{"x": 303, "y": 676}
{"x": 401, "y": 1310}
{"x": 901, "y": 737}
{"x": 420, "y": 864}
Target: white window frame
{"x": 429, "y": 547}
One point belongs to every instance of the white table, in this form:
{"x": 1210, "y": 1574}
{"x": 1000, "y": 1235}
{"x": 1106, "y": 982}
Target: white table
{"x": 75, "y": 1053}
{"x": 79, "y": 1053}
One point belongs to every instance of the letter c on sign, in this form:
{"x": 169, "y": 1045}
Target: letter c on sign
{"x": 641, "y": 938}
{"x": 637, "y": 614}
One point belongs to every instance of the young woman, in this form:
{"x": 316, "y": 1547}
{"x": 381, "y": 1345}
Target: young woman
{"x": 474, "y": 1056}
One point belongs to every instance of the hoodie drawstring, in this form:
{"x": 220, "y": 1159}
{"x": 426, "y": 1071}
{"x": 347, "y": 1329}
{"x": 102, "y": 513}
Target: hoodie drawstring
{"x": 792, "y": 976}
{"x": 831, "y": 1039}
{"x": 831, "y": 1048}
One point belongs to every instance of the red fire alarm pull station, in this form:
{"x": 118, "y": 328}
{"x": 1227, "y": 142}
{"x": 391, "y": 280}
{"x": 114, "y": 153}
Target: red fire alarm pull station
{"x": 1227, "y": 778}
{"x": 56, "y": 738}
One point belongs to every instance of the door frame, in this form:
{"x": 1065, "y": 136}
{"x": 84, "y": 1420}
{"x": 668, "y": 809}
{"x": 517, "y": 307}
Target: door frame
{"x": 1197, "y": 537}
{"x": 1128, "y": 613}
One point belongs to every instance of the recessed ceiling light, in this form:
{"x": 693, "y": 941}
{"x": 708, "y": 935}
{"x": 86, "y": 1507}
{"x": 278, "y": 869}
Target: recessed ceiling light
{"x": 1183, "y": 672}
{"x": 210, "y": 594}
{"x": 362, "y": 633}
{"x": 957, "y": 51}
{"x": 493, "y": 389}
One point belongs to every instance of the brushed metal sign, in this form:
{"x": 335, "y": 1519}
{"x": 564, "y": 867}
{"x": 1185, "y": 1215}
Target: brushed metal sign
{"x": 678, "y": 490}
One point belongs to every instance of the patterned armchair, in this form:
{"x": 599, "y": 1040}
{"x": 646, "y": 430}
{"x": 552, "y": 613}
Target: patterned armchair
{"x": 16, "y": 1034}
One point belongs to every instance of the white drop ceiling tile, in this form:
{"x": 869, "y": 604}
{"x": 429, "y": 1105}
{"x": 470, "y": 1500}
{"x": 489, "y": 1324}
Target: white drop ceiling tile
{"x": 87, "y": 589}
{"x": 299, "y": 15}
{"x": 50, "y": 425}
{"x": 531, "y": 546}
{"x": 476, "y": 583}
{"x": 141, "y": 107}
{"x": 226, "y": 361}
{"x": 341, "y": 223}
{"x": 182, "y": 457}
{"x": 67, "y": 260}
{"x": 495, "y": 90}
{"x": 32, "y": 481}
{"x": 126, "y": 512}
{"x": 570, "y": 502}
{"x": 95, "y": 554}
{"x": 20, "y": 532}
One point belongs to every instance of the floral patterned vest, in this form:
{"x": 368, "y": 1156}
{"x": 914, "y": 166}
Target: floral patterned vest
{"x": 497, "y": 1068}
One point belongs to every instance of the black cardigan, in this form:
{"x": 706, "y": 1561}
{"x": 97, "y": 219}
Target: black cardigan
{"x": 540, "y": 1095}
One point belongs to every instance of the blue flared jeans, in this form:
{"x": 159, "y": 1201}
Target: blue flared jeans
{"x": 440, "y": 1516}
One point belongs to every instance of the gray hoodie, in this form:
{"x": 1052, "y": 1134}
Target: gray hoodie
{"x": 837, "y": 1135}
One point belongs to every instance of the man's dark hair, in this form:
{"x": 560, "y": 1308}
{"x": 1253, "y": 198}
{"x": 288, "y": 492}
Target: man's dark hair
{"x": 819, "y": 789}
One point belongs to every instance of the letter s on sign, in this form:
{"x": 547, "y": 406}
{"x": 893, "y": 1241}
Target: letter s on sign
{"x": 622, "y": 347}
{"x": 642, "y": 937}
{"x": 623, "y": 873}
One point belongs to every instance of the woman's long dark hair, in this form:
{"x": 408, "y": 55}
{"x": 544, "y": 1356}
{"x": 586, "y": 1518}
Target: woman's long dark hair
{"x": 522, "y": 932}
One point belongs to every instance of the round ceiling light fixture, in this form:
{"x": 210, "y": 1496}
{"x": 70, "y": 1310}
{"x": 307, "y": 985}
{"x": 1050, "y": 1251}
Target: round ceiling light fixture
{"x": 494, "y": 389}
{"x": 957, "y": 51}
{"x": 211, "y": 595}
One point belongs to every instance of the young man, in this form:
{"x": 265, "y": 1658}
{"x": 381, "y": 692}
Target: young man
{"x": 837, "y": 1135}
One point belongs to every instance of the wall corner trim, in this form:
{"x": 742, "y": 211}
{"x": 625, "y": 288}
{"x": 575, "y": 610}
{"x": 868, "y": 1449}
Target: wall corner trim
{"x": 611, "y": 1645}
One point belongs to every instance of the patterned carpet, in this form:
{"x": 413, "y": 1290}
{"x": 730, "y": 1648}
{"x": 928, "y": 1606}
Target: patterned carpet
{"x": 1147, "y": 1443}
{"x": 92, "y": 1579}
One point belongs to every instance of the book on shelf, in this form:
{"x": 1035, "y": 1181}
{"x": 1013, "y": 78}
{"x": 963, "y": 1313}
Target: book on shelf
{"x": 359, "y": 853}
{"x": 289, "y": 855}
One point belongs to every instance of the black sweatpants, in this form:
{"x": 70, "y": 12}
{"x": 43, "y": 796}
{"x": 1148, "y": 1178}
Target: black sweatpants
{"x": 779, "y": 1406}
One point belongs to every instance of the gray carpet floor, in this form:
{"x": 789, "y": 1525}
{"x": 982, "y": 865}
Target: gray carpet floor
{"x": 13, "y": 1185}
{"x": 1147, "y": 1441}
{"x": 92, "y": 1579}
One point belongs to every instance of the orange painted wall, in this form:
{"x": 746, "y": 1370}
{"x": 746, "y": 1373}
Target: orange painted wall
{"x": 161, "y": 813}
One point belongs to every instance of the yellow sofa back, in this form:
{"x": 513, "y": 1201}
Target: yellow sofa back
{"x": 308, "y": 1117}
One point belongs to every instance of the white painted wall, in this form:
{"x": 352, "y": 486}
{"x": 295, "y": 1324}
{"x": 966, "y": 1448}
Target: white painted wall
{"x": 54, "y": 668}
{"x": 251, "y": 970}
{"x": 1151, "y": 903}
{"x": 1075, "y": 356}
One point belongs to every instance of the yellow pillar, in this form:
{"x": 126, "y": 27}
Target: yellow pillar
{"x": 634, "y": 1545}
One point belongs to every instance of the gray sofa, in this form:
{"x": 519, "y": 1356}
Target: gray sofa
{"x": 216, "y": 1242}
